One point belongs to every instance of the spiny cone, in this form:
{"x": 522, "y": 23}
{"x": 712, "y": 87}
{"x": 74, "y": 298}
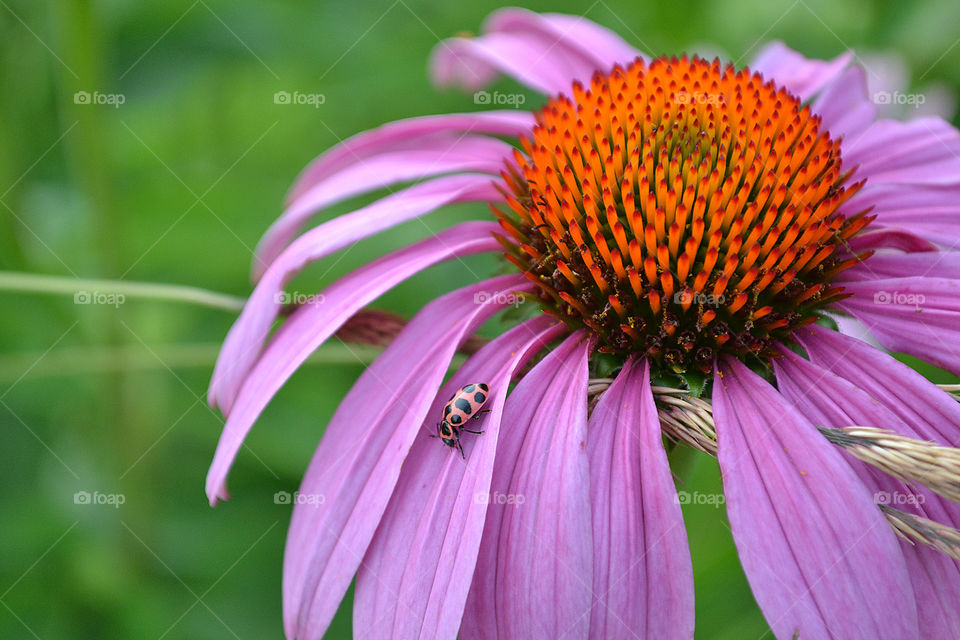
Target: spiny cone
{"x": 679, "y": 210}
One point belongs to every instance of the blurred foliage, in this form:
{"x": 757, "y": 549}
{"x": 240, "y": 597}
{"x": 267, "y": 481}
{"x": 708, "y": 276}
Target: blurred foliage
{"x": 176, "y": 185}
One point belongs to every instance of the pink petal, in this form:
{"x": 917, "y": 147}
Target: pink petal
{"x": 474, "y": 62}
{"x": 356, "y": 465}
{"x": 416, "y": 574}
{"x": 643, "y": 576}
{"x": 919, "y": 403}
{"x": 853, "y": 327}
{"x": 603, "y": 47}
{"x": 888, "y": 238}
{"x": 242, "y": 345}
{"x": 433, "y": 158}
{"x": 799, "y": 75}
{"x": 938, "y": 264}
{"x": 915, "y": 315}
{"x": 532, "y": 577}
{"x": 544, "y": 51}
{"x": 845, "y": 105}
{"x": 923, "y": 151}
{"x": 830, "y": 401}
{"x": 930, "y": 211}
{"x": 311, "y": 325}
{"x": 406, "y": 135}
{"x": 809, "y": 535}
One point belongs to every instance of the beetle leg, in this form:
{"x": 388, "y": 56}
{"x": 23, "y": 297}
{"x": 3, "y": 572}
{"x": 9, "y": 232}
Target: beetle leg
{"x": 472, "y": 431}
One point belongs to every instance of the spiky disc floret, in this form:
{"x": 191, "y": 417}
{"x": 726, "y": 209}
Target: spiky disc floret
{"x": 680, "y": 209}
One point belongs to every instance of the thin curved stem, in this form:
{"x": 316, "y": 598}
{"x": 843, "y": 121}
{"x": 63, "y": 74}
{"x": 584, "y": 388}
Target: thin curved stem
{"x": 87, "y": 360}
{"x": 86, "y": 290}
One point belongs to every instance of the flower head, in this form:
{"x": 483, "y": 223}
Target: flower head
{"x": 678, "y": 221}
{"x": 681, "y": 210}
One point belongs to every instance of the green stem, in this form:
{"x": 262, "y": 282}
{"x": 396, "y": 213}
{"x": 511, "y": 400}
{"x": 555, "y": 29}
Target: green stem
{"x": 73, "y": 361}
{"x": 93, "y": 167}
{"x": 77, "y": 287}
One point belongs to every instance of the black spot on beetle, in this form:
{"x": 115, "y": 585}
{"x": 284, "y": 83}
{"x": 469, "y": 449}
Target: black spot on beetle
{"x": 464, "y": 405}
{"x": 469, "y": 388}
{"x": 479, "y": 397}
{"x": 483, "y": 387}
{"x": 447, "y": 409}
{"x": 455, "y": 419}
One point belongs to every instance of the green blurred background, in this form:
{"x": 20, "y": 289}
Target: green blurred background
{"x": 176, "y": 185}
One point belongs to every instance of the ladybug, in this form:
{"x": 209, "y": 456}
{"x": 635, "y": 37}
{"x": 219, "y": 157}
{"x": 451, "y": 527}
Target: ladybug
{"x": 465, "y": 405}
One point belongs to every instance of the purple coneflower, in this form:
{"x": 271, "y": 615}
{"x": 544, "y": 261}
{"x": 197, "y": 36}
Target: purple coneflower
{"x": 685, "y": 222}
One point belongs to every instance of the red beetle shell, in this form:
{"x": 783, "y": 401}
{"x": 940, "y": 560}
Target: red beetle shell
{"x": 464, "y": 405}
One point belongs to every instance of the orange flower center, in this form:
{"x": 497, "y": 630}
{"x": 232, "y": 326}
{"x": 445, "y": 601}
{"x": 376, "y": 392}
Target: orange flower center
{"x": 680, "y": 209}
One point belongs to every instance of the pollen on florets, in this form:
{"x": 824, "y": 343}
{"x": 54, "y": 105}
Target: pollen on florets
{"x": 680, "y": 209}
